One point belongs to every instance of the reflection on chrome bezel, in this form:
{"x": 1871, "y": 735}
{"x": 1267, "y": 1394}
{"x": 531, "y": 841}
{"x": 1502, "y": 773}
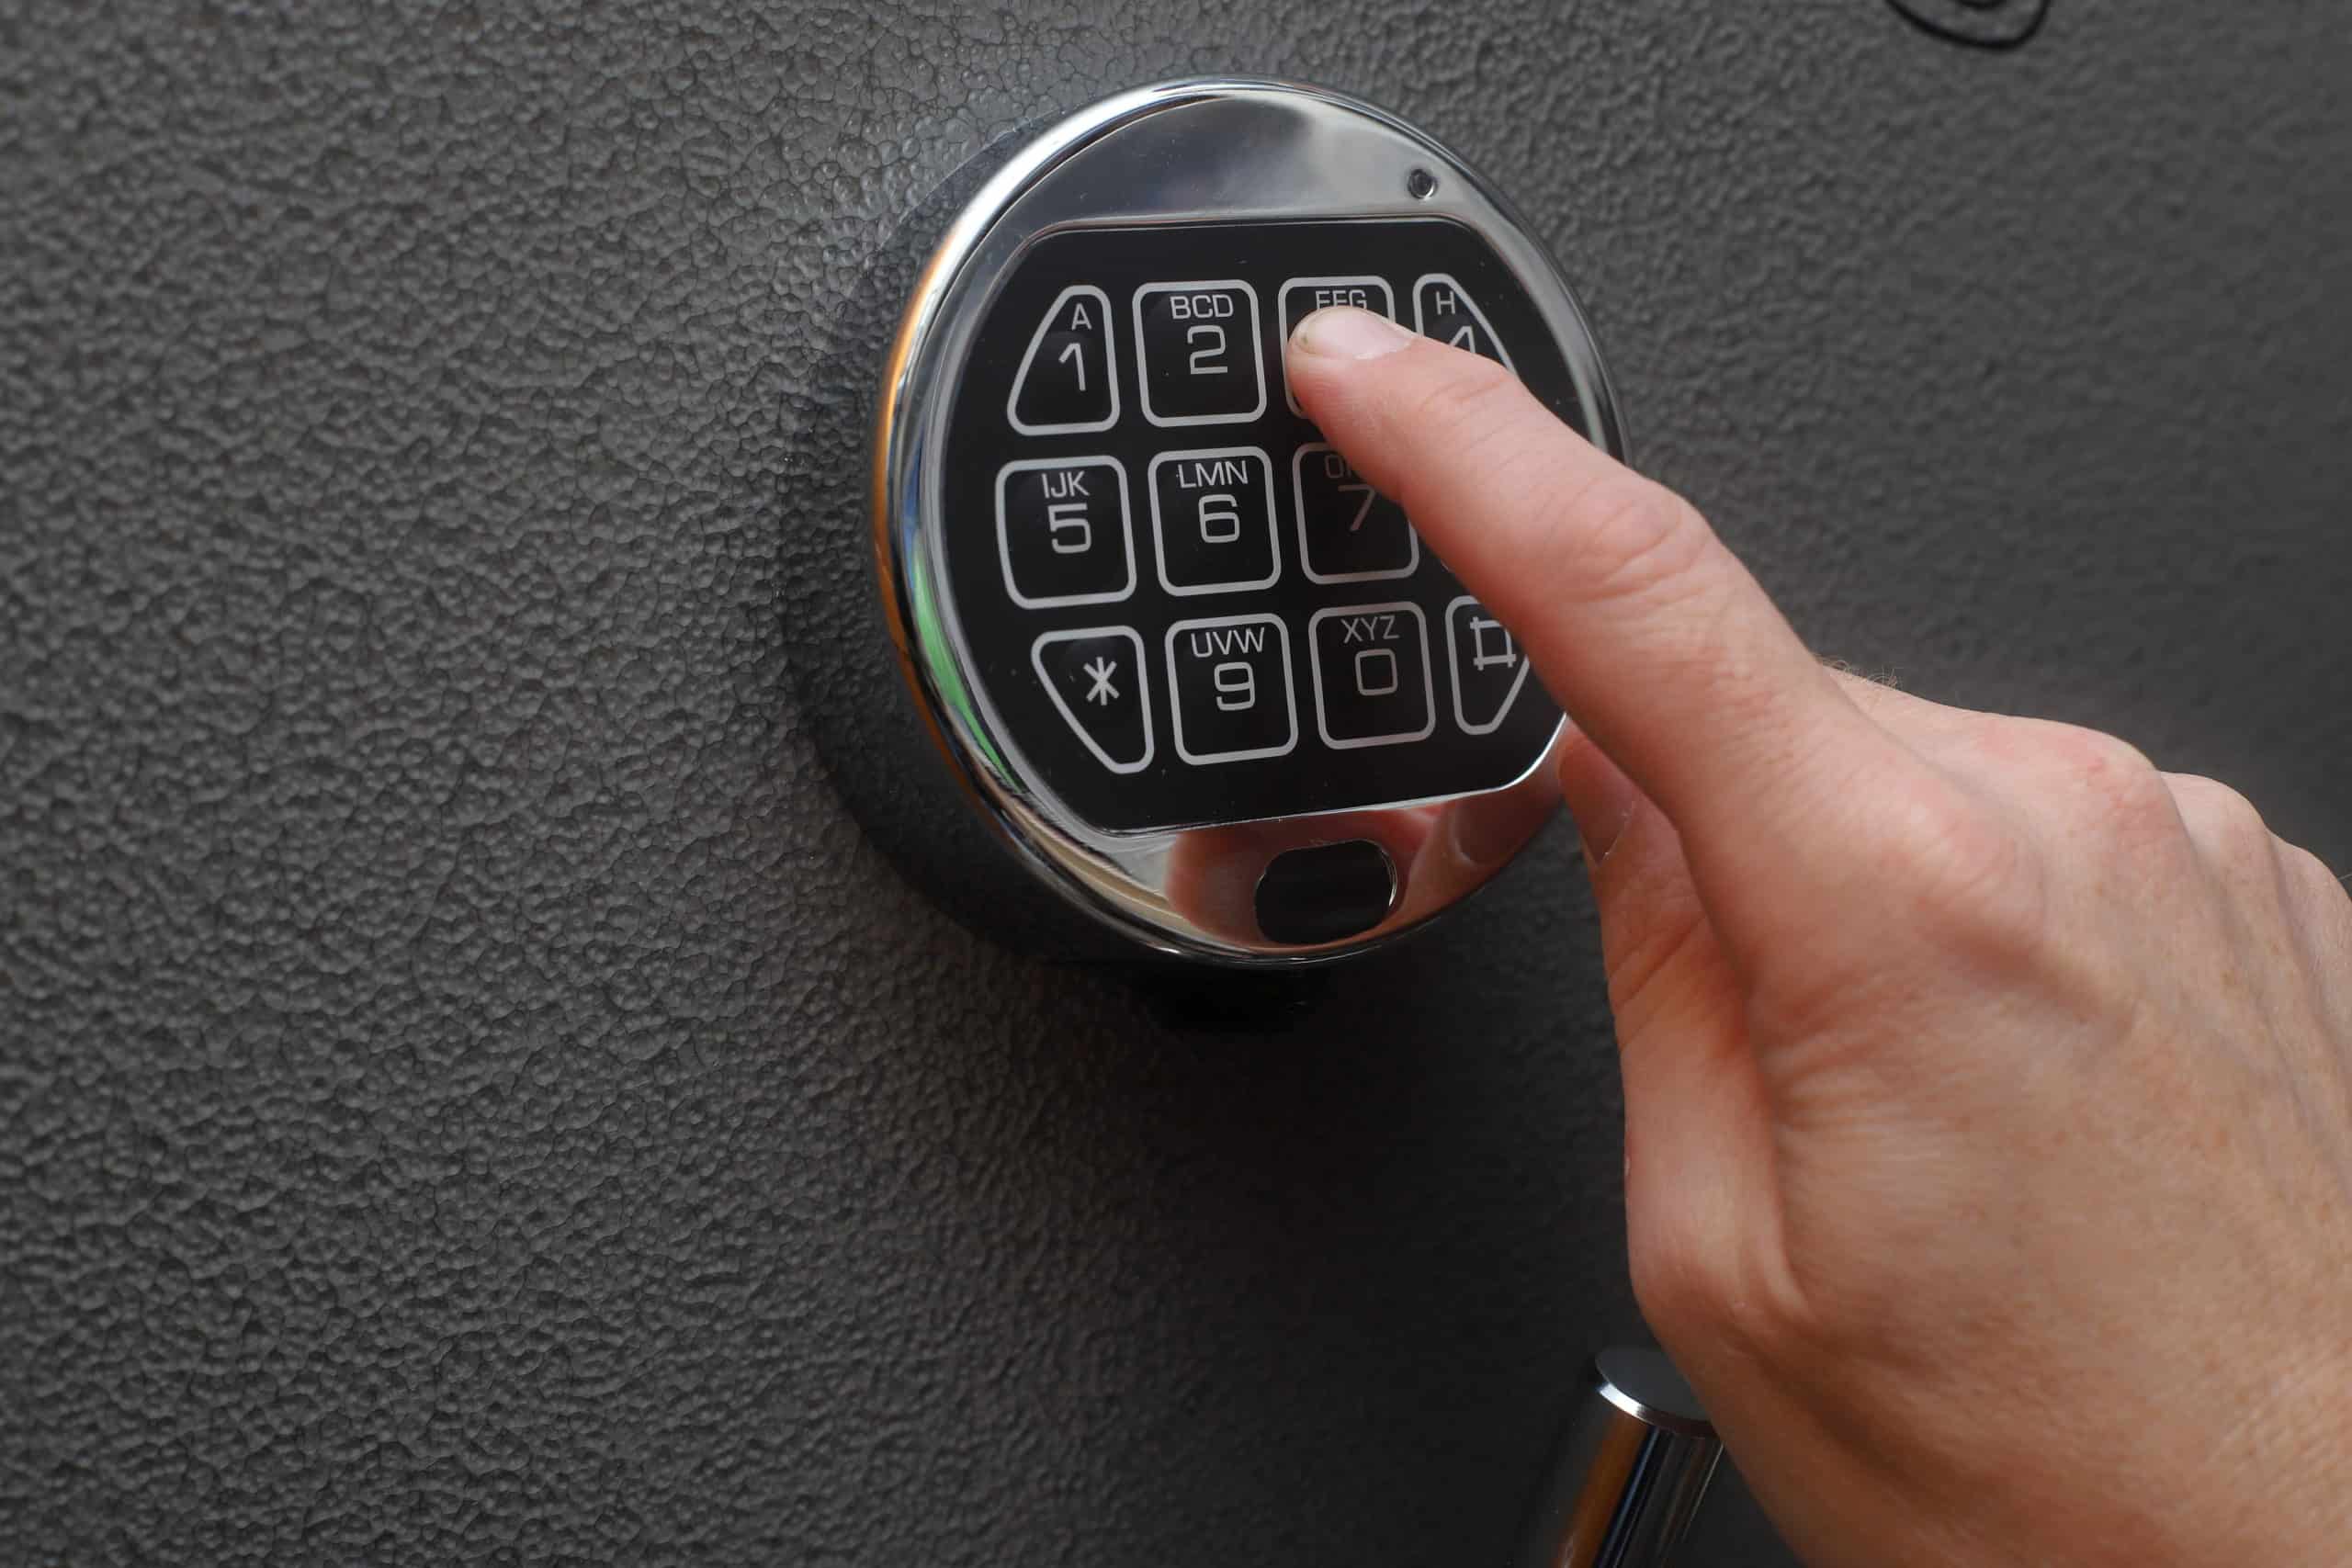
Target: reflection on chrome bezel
{"x": 1211, "y": 149}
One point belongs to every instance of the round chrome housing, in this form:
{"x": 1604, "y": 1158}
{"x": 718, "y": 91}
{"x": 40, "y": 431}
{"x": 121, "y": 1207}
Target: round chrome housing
{"x": 1174, "y": 157}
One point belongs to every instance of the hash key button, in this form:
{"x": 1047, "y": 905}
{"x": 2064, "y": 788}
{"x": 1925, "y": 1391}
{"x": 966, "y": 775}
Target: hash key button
{"x": 1229, "y": 686}
{"x": 1198, "y": 347}
{"x": 1372, "y": 675}
{"x": 1485, "y": 667}
{"x": 1095, "y": 678}
{"x": 1069, "y": 380}
{"x": 1061, "y": 532}
{"x": 1443, "y": 309}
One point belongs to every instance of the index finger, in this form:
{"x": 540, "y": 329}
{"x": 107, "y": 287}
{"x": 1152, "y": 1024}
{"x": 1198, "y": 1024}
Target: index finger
{"x": 1650, "y": 633}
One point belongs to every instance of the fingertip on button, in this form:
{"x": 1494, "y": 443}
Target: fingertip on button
{"x": 1346, "y": 331}
{"x": 1326, "y": 893}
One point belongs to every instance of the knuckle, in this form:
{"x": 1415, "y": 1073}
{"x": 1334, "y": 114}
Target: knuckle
{"x": 1680, "y": 1283}
{"x": 1628, "y": 538}
{"x": 1463, "y": 406}
{"x": 1968, "y": 871}
{"x": 2324, "y": 895}
{"x": 1955, "y": 883}
{"x": 2219, "y": 818}
{"x": 1691, "y": 1287}
{"x": 2112, "y": 780}
{"x": 2308, "y": 867}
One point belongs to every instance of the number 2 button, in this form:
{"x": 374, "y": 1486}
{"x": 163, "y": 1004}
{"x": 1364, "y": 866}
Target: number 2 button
{"x": 1199, "y": 346}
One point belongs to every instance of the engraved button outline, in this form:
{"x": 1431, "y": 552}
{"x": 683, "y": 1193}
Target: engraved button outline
{"x": 1004, "y": 543}
{"x": 1029, "y": 356}
{"x": 1428, "y": 683}
{"x": 1143, "y": 692}
{"x": 1176, "y": 688}
{"x": 1306, "y": 552}
{"x": 1470, "y": 304}
{"x": 1159, "y": 535}
{"x": 1256, "y": 357}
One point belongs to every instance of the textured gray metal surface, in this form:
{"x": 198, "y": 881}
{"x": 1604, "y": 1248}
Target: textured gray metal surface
{"x": 466, "y": 1087}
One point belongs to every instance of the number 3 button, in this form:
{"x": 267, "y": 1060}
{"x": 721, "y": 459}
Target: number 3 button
{"x": 1199, "y": 345}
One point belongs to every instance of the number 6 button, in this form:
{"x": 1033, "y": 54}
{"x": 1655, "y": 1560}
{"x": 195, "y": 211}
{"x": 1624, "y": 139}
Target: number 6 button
{"x": 1213, "y": 520}
{"x": 1199, "y": 346}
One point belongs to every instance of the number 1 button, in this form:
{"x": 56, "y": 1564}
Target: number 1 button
{"x": 1068, "y": 381}
{"x": 1199, "y": 348}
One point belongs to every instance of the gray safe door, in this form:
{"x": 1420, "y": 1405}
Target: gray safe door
{"x": 470, "y": 1089}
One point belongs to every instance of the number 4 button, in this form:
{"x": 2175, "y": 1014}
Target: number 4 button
{"x": 1443, "y": 309}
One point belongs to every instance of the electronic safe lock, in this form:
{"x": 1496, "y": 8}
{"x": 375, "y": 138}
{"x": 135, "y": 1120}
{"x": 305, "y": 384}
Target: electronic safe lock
{"x": 1210, "y": 688}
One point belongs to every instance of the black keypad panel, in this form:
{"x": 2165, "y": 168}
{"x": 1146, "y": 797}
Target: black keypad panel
{"x": 1185, "y": 605}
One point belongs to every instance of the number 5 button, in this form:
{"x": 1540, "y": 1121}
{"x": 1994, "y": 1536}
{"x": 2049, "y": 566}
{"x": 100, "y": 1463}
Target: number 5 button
{"x": 1198, "y": 343}
{"x": 1061, "y": 532}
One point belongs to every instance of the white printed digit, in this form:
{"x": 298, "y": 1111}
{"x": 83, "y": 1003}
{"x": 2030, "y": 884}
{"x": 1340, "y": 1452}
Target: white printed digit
{"x": 1214, "y": 351}
{"x": 1237, "y": 686}
{"x": 1225, "y": 514}
{"x": 1062, "y": 517}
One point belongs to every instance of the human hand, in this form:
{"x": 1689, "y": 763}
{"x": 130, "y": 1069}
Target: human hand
{"x": 1988, "y": 1092}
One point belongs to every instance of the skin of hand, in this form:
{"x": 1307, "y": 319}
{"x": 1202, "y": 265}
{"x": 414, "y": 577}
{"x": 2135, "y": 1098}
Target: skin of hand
{"x": 1988, "y": 1092}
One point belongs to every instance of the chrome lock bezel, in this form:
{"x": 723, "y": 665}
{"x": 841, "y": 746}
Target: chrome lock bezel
{"x": 1192, "y": 151}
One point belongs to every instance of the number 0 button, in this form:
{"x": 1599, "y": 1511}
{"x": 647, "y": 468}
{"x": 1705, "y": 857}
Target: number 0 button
{"x": 1061, "y": 532}
{"x": 1372, "y": 675}
{"x": 1199, "y": 347}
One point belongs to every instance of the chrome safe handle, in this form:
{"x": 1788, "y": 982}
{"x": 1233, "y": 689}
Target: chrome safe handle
{"x": 1630, "y": 1472}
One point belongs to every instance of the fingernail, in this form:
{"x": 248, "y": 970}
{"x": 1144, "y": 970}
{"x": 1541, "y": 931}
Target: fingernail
{"x": 1595, "y": 855}
{"x": 1343, "y": 332}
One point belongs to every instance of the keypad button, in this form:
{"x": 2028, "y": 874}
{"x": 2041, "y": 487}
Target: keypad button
{"x": 1302, "y": 296}
{"x": 1096, "y": 677}
{"x": 1198, "y": 347}
{"x": 1062, "y": 531}
{"x": 1443, "y": 309}
{"x": 1213, "y": 520}
{"x": 1372, "y": 675}
{"x": 1229, "y": 681}
{"x": 1348, "y": 531}
{"x": 1068, "y": 381}
{"x": 1488, "y": 666}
